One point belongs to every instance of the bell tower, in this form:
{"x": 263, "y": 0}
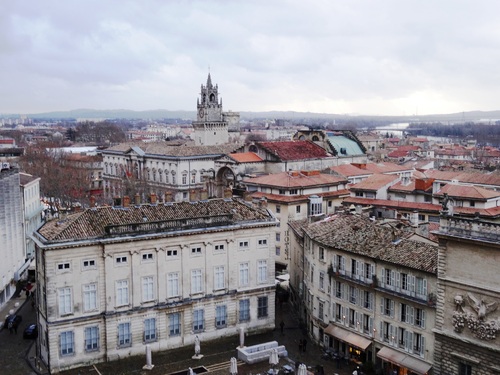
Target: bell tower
{"x": 210, "y": 127}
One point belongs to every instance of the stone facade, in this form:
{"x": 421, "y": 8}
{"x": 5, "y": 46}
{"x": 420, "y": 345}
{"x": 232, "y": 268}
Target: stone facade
{"x": 468, "y": 318}
{"x": 112, "y": 279}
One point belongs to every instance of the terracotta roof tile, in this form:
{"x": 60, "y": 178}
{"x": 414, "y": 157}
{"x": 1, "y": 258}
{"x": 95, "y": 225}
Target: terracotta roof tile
{"x": 299, "y": 198}
{"x": 294, "y": 150}
{"x": 375, "y": 182}
{"x": 245, "y": 157}
{"x": 295, "y": 179}
{"x": 462, "y": 192}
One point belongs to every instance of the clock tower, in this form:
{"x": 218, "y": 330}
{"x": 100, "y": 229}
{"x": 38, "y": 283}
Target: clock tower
{"x": 210, "y": 127}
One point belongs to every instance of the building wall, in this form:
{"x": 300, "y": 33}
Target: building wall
{"x": 12, "y": 249}
{"x": 467, "y": 325}
{"x": 63, "y": 269}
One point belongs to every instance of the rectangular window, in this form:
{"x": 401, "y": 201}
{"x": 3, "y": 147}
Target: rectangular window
{"x": 89, "y": 297}
{"x": 464, "y": 369}
{"x": 321, "y": 280}
{"x": 262, "y": 307}
{"x": 196, "y": 284}
{"x": 65, "y": 303}
{"x": 404, "y": 281}
{"x": 262, "y": 271}
{"x": 244, "y": 274}
{"x": 243, "y": 245}
{"x": 147, "y": 257}
{"x": 219, "y": 247}
{"x": 66, "y": 343}
{"x": 244, "y": 310}
{"x": 278, "y": 237}
{"x": 196, "y": 250}
{"x": 87, "y": 264}
{"x": 420, "y": 318}
{"x": 421, "y": 287}
{"x": 124, "y": 335}
{"x": 122, "y": 293}
{"x": 321, "y": 253}
{"x": 321, "y": 310}
{"x": 262, "y": 242}
{"x": 368, "y": 300}
{"x": 353, "y": 295}
{"x": 184, "y": 179}
{"x": 220, "y": 316}
{"x": 293, "y": 191}
{"x": 172, "y": 284}
{"x": 278, "y": 209}
{"x": 174, "y": 324}
{"x": 172, "y": 253}
{"x": 121, "y": 260}
{"x": 147, "y": 289}
{"x": 338, "y": 290}
{"x": 278, "y": 250}
{"x": 198, "y": 320}
{"x": 64, "y": 266}
{"x": 297, "y": 209}
{"x": 149, "y": 329}
{"x": 219, "y": 278}
{"x": 91, "y": 339}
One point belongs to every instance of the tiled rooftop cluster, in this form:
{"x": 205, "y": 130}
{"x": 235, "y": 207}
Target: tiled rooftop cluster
{"x": 92, "y": 223}
{"x": 360, "y": 235}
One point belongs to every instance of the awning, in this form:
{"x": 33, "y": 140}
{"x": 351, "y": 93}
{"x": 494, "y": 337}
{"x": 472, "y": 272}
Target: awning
{"x": 404, "y": 360}
{"x": 349, "y": 337}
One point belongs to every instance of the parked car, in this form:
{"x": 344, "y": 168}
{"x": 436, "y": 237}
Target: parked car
{"x": 13, "y": 321}
{"x": 31, "y": 331}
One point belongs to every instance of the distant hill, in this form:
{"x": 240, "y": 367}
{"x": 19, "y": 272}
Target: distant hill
{"x": 157, "y": 114}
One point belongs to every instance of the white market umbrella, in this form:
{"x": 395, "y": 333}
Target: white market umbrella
{"x": 233, "y": 369}
{"x": 302, "y": 369}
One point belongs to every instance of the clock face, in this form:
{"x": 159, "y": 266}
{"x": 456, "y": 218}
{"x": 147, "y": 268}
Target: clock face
{"x": 201, "y": 112}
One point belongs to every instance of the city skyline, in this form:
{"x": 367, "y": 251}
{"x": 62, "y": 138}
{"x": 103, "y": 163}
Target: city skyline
{"x": 358, "y": 58}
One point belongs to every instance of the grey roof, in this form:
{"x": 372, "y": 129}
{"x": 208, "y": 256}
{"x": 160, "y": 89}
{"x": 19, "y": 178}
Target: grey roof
{"x": 342, "y": 142}
{"x": 162, "y": 148}
{"x": 359, "y": 235}
{"x": 103, "y": 222}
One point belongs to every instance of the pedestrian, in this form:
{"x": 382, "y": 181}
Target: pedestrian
{"x": 282, "y": 325}
{"x": 300, "y": 345}
{"x": 304, "y": 344}
{"x": 356, "y": 371}
{"x": 11, "y": 328}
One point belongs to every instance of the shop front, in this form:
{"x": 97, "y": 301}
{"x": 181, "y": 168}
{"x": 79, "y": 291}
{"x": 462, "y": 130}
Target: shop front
{"x": 399, "y": 363}
{"x": 348, "y": 345}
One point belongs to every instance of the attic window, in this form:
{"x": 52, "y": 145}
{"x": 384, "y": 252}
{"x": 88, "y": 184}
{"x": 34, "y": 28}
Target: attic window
{"x": 343, "y": 151}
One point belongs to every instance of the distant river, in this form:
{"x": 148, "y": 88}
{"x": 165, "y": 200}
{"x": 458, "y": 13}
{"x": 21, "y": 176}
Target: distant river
{"x": 397, "y": 129}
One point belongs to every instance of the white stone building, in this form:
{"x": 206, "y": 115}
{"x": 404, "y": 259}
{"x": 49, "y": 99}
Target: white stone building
{"x": 366, "y": 291}
{"x": 113, "y": 279}
{"x": 30, "y": 188}
{"x": 12, "y": 236}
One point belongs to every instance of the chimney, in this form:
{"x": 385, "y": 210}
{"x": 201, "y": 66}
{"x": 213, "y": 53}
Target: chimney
{"x": 192, "y": 195}
{"x": 137, "y": 199}
{"x": 126, "y": 201}
{"x": 152, "y": 198}
{"x": 228, "y": 193}
{"x": 92, "y": 201}
{"x": 263, "y": 202}
{"x": 168, "y": 196}
{"x": 414, "y": 219}
{"x": 117, "y": 201}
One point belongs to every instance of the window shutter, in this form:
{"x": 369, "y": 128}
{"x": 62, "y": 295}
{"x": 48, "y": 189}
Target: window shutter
{"x": 381, "y": 331}
{"x": 401, "y": 312}
{"x": 398, "y": 280}
{"x": 423, "y": 319}
{"x": 371, "y": 297}
{"x": 410, "y": 342}
{"x": 391, "y": 334}
{"x": 356, "y": 295}
{"x": 424, "y": 284}
{"x": 382, "y": 300}
{"x": 411, "y": 313}
{"x": 405, "y": 339}
{"x": 370, "y": 326}
{"x": 372, "y": 268}
{"x": 392, "y": 308}
{"x": 382, "y": 279}
{"x": 356, "y": 320}
{"x": 334, "y": 311}
{"x": 393, "y": 277}
{"x": 346, "y": 320}
{"x": 422, "y": 345}
{"x": 411, "y": 283}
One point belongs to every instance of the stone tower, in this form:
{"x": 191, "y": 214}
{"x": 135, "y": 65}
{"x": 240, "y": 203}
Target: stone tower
{"x": 210, "y": 127}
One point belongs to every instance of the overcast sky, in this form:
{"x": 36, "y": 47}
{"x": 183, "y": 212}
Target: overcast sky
{"x": 383, "y": 57}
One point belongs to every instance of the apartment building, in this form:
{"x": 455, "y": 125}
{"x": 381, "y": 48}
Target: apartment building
{"x": 112, "y": 279}
{"x": 366, "y": 291}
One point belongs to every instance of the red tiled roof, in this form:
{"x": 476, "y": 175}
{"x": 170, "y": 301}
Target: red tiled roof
{"x": 462, "y": 192}
{"x": 472, "y": 178}
{"x": 299, "y": 198}
{"x": 375, "y": 182}
{"x": 387, "y": 167}
{"x": 348, "y": 170}
{"x": 294, "y": 150}
{"x": 426, "y": 207}
{"x": 296, "y": 179}
{"x": 246, "y": 157}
